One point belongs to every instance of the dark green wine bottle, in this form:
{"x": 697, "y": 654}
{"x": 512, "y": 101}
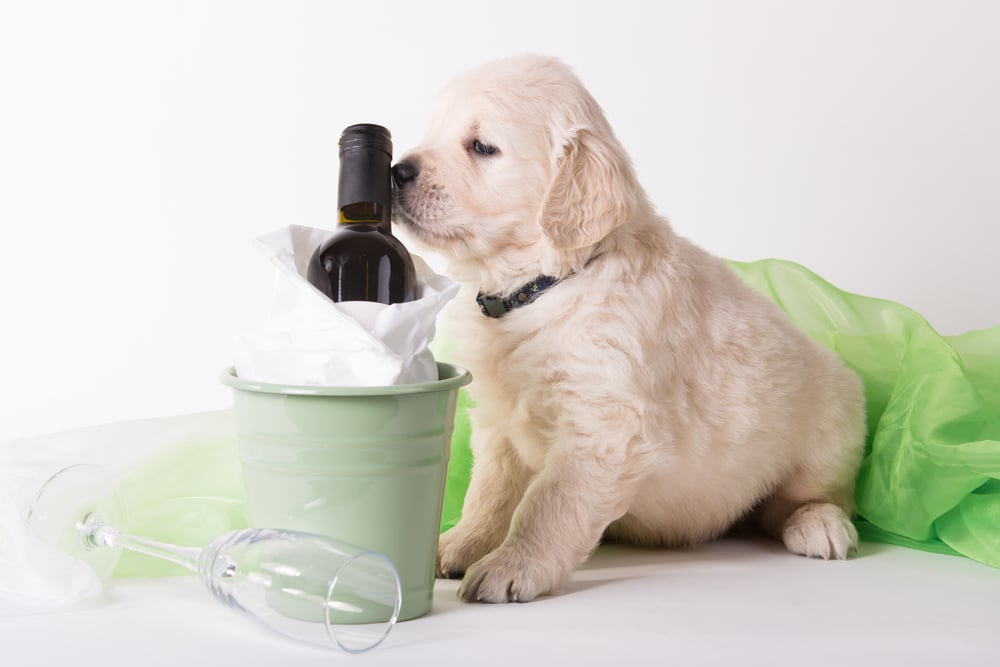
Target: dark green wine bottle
{"x": 363, "y": 261}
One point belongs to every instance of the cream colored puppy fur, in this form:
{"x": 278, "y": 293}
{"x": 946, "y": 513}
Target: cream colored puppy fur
{"x": 651, "y": 396}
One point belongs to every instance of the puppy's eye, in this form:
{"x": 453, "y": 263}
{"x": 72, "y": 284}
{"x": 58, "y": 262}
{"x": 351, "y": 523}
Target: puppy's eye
{"x": 483, "y": 148}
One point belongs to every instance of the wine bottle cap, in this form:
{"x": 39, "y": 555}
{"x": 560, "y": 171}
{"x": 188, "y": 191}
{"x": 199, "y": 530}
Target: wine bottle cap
{"x": 366, "y": 135}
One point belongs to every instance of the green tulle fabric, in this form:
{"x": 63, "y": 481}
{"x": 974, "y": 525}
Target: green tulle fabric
{"x": 930, "y": 478}
{"x": 931, "y": 474}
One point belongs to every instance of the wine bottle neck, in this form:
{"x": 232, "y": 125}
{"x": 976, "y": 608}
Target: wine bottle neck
{"x": 369, "y": 212}
{"x": 364, "y": 192}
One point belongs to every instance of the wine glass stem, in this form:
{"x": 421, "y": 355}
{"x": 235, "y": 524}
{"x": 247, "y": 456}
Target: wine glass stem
{"x": 100, "y": 534}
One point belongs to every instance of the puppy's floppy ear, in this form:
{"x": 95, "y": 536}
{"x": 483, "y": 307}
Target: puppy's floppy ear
{"x": 593, "y": 191}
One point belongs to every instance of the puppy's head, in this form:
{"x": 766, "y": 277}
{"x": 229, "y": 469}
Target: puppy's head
{"x": 518, "y": 175}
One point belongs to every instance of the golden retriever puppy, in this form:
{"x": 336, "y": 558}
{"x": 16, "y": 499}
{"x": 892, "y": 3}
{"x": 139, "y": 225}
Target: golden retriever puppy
{"x": 627, "y": 383}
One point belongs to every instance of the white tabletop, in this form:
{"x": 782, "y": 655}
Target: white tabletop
{"x": 736, "y": 602}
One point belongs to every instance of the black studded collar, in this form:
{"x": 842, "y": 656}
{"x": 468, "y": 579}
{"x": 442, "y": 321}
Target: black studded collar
{"x": 495, "y": 306}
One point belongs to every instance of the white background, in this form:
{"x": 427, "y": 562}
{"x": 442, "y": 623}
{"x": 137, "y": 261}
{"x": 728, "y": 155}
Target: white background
{"x": 732, "y": 603}
{"x": 144, "y": 144}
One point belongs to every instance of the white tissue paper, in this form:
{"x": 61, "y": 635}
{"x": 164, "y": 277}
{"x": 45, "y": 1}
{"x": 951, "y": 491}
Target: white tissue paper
{"x": 311, "y": 340}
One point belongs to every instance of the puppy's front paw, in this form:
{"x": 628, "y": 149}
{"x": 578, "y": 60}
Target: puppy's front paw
{"x": 458, "y": 548}
{"x": 507, "y": 575}
{"x": 820, "y": 530}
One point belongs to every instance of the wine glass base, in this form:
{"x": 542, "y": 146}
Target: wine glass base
{"x": 68, "y": 505}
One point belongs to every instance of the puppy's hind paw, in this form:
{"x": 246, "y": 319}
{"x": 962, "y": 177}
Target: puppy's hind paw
{"x": 820, "y": 530}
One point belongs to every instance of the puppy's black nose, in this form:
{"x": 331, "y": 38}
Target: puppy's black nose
{"x": 404, "y": 172}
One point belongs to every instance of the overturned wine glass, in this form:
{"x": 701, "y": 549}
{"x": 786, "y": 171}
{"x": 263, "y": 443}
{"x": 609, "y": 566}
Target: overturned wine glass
{"x": 309, "y": 587}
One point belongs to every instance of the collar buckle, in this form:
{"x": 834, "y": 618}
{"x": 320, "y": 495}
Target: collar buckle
{"x": 495, "y": 306}
{"x": 492, "y": 306}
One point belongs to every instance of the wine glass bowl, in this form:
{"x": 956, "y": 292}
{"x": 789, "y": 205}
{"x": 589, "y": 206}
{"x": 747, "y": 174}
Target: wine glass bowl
{"x": 304, "y": 585}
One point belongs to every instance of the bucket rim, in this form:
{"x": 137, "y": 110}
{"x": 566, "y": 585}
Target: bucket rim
{"x": 452, "y": 377}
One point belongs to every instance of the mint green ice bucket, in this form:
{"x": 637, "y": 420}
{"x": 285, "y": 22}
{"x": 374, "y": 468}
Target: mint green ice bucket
{"x": 365, "y": 465}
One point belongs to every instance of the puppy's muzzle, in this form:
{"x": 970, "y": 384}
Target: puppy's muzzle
{"x": 404, "y": 172}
